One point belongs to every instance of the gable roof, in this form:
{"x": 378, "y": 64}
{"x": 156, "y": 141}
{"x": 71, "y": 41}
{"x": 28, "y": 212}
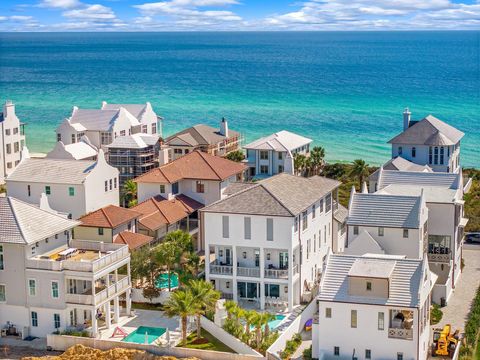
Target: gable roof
{"x": 158, "y": 211}
{"x": 134, "y": 109}
{"x": 98, "y": 119}
{"x": 133, "y": 240}
{"x": 405, "y": 282}
{"x": 429, "y": 131}
{"x": 23, "y": 223}
{"x": 385, "y": 210}
{"x": 54, "y": 171}
{"x": 400, "y": 164}
{"x": 447, "y": 180}
{"x": 78, "y": 151}
{"x": 363, "y": 244}
{"x": 195, "y": 165}
{"x": 280, "y": 195}
{"x": 109, "y": 216}
{"x": 135, "y": 141}
{"x": 201, "y": 134}
{"x": 280, "y": 141}
{"x": 340, "y": 214}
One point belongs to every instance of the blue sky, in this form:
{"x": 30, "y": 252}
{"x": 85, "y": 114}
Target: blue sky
{"x": 242, "y": 15}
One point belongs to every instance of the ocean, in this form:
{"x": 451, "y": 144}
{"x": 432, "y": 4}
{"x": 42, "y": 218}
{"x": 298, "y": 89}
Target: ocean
{"x": 345, "y": 90}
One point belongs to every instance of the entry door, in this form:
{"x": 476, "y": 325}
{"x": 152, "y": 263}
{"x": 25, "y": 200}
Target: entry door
{"x": 227, "y": 257}
{"x": 283, "y": 260}
{"x": 252, "y": 291}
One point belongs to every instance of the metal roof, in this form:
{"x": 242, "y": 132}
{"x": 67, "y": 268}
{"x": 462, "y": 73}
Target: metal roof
{"x": 135, "y": 141}
{"x": 134, "y": 109}
{"x": 449, "y": 180}
{"x": 400, "y": 164}
{"x": 280, "y": 141}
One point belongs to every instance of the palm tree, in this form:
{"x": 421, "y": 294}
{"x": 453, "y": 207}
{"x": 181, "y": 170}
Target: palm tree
{"x": 236, "y": 156}
{"x": 249, "y": 316}
{"x": 258, "y": 322}
{"x": 230, "y": 306}
{"x": 181, "y": 303}
{"x": 299, "y": 161}
{"x": 359, "y": 170}
{"x": 130, "y": 192}
{"x": 182, "y": 240}
{"x": 205, "y": 299}
{"x": 166, "y": 255}
{"x": 317, "y": 156}
{"x": 267, "y": 317}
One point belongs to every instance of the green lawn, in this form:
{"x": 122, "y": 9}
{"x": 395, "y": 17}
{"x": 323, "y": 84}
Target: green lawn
{"x": 209, "y": 343}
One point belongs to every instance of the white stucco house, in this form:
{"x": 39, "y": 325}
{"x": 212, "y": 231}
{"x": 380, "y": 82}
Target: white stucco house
{"x": 373, "y": 307}
{"x": 103, "y": 125}
{"x": 73, "y": 187}
{"x": 273, "y": 154}
{"x": 49, "y": 282}
{"x": 443, "y": 193}
{"x": 429, "y": 141}
{"x": 268, "y": 240}
{"x": 81, "y": 150}
{"x": 12, "y": 140}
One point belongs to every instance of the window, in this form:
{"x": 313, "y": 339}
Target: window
{"x": 369, "y": 286}
{"x": 9, "y": 165}
{"x": 100, "y": 231}
{"x": 105, "y": 138}
{"x": 399, "y": 356}
{"x": 55, "y": 289}
{"x": 111, "y": 184}
{"x": 353, "y": 318}
{"x": 355, "y": 230}
{"x": 368, "y": 354}
{"x": 304, "y": 220}
{"x": 71, "y": 191}
{"x": 381, "y": 231}
{"x": 321, "y": 206}
{"x": 7, "y": 132}
{"x": 435, "y": 152}
{"x": 56, "y": 320}
{"x": 3, "y": 296}
{"x": 336, "y": 350}
{"x": 175, "y": 188}
{"x": 15, "y": 131}
{"x": 314, "y": 211}
{"x": 9, "y": 148}
{"x": 48, "y": 190}
{"x": 144, "y": 129}
{"x": 29, "y": 192}
{"x": 34, "y": 317}
{"x": 2, "y": 267}
{"x": 154, "y": 128}
{"x": 328, "y": 203}
{"x": 280, "y": 156}
{"x": 177, "y": 151}
{"x": 270, "y": 229}
{"x": 106, "y": 185}
{"x": 295, "y": 224}
{"x": 74, "y": 138}
{"x": 263, "y": 169}
{"x": 32, "y": 287}
{"x": 381, "y": 321}
{"x": 308, "y": 249}
{"x": 442, "y": 153}
{"x": 16, "y": 147}
{"x": 114, "y": 183}
{"x": 430, "y": 157}
{"x": 247, "y": 227}
{"x": 225, "y": 229}
{"x": 414, "y": 152}
{"x": 280, "y": 169}
{"x": 162, "y": 189}
{"x": 200, "y": 187}
{"x": 263, "y": 155}
{"x": 405, "y": 233}
{"x": 122, "y": 133}
{"x": 400, "y": 150}
{"x": 328, "y": 313}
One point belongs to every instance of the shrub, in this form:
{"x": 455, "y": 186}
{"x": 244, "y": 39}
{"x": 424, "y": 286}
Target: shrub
{"x": 307, "y": 353}
{"x": 291, "y": 346}
{"x": 74, "y": 332}
{"x": 472, "y": 326}
{"x": 436, "y": 315}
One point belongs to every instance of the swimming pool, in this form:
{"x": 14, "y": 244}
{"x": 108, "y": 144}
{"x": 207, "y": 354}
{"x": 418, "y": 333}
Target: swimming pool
{"x": 138, "y": 336}
{"x": 273, "y": 324}
{"x": 162, "y": 281}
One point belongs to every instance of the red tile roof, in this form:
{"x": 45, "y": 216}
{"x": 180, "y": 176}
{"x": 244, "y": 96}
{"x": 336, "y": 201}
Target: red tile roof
{"x": 109, "y": 216}
{"x": 133, "y": 240}
{"x": 195, "y": 165}
{"x": 158, "y": 211}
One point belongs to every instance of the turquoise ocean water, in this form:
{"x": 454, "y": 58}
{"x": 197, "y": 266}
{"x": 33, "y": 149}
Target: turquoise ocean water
{"x": 346, "y": 90}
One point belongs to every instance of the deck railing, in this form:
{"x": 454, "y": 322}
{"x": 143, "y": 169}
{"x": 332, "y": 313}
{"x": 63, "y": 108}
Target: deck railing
{"x": 221, "y": 269}
{"x": 249, "y": 272}
{"x": 276, "y": 273}
{"x": 399, "y": 333}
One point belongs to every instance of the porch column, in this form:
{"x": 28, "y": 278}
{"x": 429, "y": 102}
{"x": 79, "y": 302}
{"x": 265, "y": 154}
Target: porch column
{"x": 262, "y": 281}
{"x": 108, "y": 317}
{"x": 94, "y": 322}
{"x": 128, "y": 298}
{"x": 234, "y": 273}
{"x": 128, "y": 273}
{"x": 290, "y": 277}
{"x": 290, "y": 296}
{"x": 116, "y": 310}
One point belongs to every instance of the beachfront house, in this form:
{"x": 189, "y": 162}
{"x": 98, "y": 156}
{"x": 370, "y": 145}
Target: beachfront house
{"x": 273, "y": 154}
{"x": 214, "y": 141}
{"x": 12, "y": 140}
{"x": 73, "y": 187}
{"x": 443, "y": 193}
{"x": 112, "y": 224}
{"x": 103, "y": 125}
{"x": 81, "y": 150}
{"x": 50, "y": 282}
{"x": 373, "y": 308}
{"x": 429, "y": 141}
{"x": 266, "y": 242}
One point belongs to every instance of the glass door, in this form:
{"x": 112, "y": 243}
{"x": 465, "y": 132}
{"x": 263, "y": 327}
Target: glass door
{"x": 283, "y": 260}
{"x": 228, "y": 257}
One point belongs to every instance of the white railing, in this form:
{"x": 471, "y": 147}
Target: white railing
{"x": 439, "y": 257}
{"x": 113, "y": 289}
{"x": 249, "y": 272}
{"x": 79, "y": 299}
{"x": 406, "y": 334}
{"x": 221, "y": 269}
{"x": 276, "y": 273}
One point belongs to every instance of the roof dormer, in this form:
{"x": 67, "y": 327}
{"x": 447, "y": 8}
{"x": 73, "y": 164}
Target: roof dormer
{"x": 370, "y": 278}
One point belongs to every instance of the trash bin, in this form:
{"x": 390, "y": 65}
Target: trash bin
{"x": 443, "y": 302}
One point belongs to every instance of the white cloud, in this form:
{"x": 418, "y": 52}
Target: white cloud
{"x": 91, "y": 12}
{"x": 60, "y": 4}
{"x": 20, "y": 18}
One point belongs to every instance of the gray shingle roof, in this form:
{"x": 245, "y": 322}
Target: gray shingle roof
{"x": 449, "y": 180}
{"x": 279, "y": 195}
{"x": 54, "y": 171}
{"x": 135, "y": 141}
{"x": 235, "y": 187}
{"x": 23, "y": 223}
{"x": 385, "y": 210}
{"x": 429, "y": 131}
{"x": 406, "y": 281}
{"x": 202, "y": 135}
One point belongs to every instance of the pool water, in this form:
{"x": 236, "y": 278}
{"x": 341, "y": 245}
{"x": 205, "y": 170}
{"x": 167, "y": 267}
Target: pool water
{"x": 162, "y": 281}
{"x": 273, "y": 324}
{"x": 138, "y": 336}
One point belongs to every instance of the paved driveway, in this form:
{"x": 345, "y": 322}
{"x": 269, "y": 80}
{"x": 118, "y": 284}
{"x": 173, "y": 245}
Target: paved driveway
{"x": 456, "y": 312}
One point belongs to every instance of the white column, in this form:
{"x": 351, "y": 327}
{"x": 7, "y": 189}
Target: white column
{"x": 108, "y": 317}
{"x": 234, "y": 273}
{"x": 128, "y": 298}
{"x": 128, "y": 273}
{"x": 116, "y": 310}
{"x": 94, "y": 322}
{"x": 290, "y": 277}
{"x": 262, "y": 281}
{"x": 290, "y": 296}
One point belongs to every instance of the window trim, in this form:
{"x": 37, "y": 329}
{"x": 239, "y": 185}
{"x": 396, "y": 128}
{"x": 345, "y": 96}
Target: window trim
{"x": 58, "y": 289}
{"x": 36, "y": 318}
{"x": 29, "y": 287}
{"x": 4, "y": 293}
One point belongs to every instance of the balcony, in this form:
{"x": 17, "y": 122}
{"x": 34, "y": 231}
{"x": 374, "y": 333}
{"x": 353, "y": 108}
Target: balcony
{"x": 248, "y": 272}
{"x": 220, "y": 269}
{"x": 276, "y": 273}
{"x": 398, "y": 333}
{"x": 443, "y": 258}
{"x": 87, "y": 298}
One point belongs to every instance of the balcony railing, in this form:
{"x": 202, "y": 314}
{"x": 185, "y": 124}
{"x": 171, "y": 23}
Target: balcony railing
{"x": 227, "y": 296}
{"x": 439, "y": 257}
{"x": 249, "y": 272}
{"x": 399, "y": 333}
{"x": 88, "y": 299}
{"x": 276, "y": 273}
{"x": 221, "y": 269}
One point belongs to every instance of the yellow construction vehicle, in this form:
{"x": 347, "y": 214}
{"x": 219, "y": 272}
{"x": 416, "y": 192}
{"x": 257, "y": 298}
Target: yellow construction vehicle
{"x": 444, "y": 342}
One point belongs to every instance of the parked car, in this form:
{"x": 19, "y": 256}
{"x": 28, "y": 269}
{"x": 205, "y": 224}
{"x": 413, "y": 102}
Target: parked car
{"x": 473, "y": 237}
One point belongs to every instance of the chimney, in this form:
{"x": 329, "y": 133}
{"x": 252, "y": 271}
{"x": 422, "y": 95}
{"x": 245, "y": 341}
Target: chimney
{"x": 8, "y": 108}
{"x": 406, "y": 119}
{"x": 224, "y": 127}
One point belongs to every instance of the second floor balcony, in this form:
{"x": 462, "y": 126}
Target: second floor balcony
{"x": 101, "y": 293}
